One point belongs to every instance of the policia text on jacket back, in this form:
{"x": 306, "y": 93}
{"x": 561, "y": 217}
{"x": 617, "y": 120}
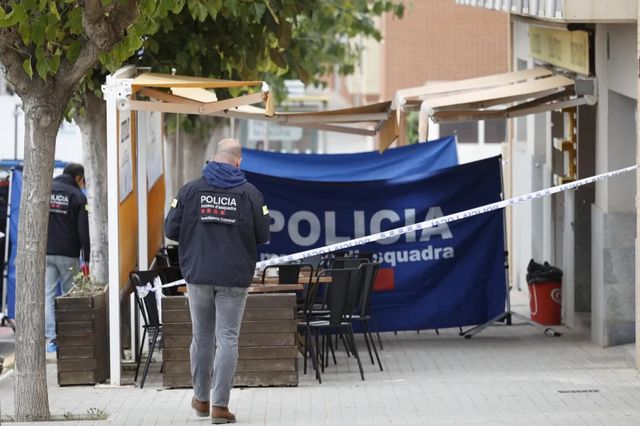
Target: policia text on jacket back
{"x": 218, "y": 220}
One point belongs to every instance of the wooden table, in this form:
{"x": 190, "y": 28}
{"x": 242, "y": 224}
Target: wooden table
{"x": 271, "y": 285}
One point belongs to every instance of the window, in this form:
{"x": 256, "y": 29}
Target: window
{"x": 467, "y": 131}
{"x": 495, "y": 131}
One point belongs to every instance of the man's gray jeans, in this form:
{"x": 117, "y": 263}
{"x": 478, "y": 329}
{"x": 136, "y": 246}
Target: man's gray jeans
{"x": 216, "y": 314}
{"x": 58, "y": 267}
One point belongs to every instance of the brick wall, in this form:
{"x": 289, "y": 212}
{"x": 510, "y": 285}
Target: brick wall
{"x": 440, "y": 40}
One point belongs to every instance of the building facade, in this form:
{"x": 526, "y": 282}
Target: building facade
{"x": 590, "y": 233}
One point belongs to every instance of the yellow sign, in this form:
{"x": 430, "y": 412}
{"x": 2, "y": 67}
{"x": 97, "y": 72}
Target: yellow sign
{"x": 566, "y": 49}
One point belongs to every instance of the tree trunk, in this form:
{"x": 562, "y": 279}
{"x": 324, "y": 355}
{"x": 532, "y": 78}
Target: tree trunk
{"x": 41, "y": 127}
{"x": 193, "y": 156}
{"x": 93, "y": 127}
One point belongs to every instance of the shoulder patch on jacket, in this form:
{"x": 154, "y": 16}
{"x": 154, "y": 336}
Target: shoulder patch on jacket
{"x": 174, "y": 203}
{"x": 265, "y": 210}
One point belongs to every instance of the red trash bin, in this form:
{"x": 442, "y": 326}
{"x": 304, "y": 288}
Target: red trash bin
{"x": 545, "y": 301}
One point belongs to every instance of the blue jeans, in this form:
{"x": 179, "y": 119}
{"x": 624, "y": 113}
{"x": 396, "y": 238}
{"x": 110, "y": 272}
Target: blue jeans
{"x": 58, "y": 267}
{"x": 216, "y": 314}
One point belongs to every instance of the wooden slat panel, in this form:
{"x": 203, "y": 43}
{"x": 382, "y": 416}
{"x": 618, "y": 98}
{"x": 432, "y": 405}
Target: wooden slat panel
{"x": 76, "y": 377}
{"x": 173, "y": 316}
{"x": 252, "y": 327}
{"x": 266, "y": 379}
{"x": 78, "y": 340}
{"x": 267, "y": 339}
{"x": 77, "y": 364}
{"x": 179, "y": 341}
{"x": 174, "y": 302}
{"x": 79, "y": 303}
{"x": 87, "y": 315}
{"x": 177, "y": 328}
{"x": 270, "y": 300}
{"x": 241, "y": 379}
{"x": 269, "y": 314}
{"x": 176, "y": 380}
{"x": 175, "y": 354}
{"x": 268, "y": 352}
{"x": 177, "y": 367}
{"x": 265, "y": 365}
{"x": 74, "y": 327}
{"x": 75, "y": 352}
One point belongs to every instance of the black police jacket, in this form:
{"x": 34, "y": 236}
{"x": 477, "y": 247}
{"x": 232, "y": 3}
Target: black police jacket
{"x": 218, "y": 230}
{"x": 68, "y": 219}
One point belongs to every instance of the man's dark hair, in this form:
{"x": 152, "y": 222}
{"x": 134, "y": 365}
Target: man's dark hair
{"x": 74, "y": 169}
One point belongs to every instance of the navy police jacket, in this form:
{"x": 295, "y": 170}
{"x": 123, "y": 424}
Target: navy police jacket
{"x": 218, "y": 220}
{"x": 68, "y": 219}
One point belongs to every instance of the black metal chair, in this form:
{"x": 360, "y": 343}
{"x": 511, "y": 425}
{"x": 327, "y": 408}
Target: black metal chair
{"x": 169, "y": 274}
{"x": 149, "y": 311}
{"x": 310, "y": 294}
{"x": 289, "y": 273}
{"x": 339, "y": 304}
{"x": 162, "y": 260}
{"x": 172, "y": 254}
{"x": 362, "y": 313}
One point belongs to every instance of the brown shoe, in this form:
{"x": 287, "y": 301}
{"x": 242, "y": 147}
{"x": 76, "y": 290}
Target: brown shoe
{"x": 200, "y": 407}
{"x": 221, "y": 415}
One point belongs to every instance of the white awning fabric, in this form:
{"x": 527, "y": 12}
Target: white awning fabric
{"x": 195, "y": 95}
{"x": 492, "y": 97}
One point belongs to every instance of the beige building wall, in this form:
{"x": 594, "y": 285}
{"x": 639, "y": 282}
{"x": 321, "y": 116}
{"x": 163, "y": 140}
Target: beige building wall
{"x": 440, "y": 40}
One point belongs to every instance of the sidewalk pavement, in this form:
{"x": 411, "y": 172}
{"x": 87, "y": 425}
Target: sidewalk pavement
{"x": 504, "y": 375}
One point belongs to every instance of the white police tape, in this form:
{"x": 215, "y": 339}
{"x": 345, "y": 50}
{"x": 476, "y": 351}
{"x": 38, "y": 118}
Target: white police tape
{"x": 438, "y": 221}
{"x": 143, "y": 291}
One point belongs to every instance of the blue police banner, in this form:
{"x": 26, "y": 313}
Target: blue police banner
{"x": 411, "y": 160}
{"x": 14, "y": 211}
{"x": 447, "y": 276}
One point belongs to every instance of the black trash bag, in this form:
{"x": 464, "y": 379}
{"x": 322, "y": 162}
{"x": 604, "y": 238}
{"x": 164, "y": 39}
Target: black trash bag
{"x": 545, "y": 273}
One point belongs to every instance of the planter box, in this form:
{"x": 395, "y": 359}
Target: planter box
{"x": 81, "y": 328}
{"x": 267, "y": 346}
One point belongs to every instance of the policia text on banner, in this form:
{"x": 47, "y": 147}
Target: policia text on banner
{"x": 437, "y": 222}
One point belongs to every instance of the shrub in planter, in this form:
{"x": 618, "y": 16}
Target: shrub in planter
{"x": 81, "y": 328}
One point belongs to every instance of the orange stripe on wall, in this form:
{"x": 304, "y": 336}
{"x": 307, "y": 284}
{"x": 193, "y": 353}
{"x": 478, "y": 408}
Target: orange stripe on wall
{"x": 155, "y": 217}
{"x": 128, "y": 216}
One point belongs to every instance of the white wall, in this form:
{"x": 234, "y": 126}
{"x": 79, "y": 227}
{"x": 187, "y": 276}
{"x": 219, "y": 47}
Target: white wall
{"x": 613, "y": 213}
{"x": 68, "y": 143}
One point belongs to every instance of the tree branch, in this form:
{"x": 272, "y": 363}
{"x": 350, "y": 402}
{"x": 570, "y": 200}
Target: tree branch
{"x": 106, "y": 26}
{"x": 12, "y": 60}
{"x": 71, "y": 72}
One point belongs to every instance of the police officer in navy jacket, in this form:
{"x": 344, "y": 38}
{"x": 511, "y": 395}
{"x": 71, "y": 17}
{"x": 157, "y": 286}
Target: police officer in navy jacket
{"x": 68, "y": 239}
{"x": 218, "y": 220}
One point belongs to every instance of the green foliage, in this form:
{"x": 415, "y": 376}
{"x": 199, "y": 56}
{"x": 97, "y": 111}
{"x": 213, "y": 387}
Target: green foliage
{"x": 51, "y": 32}
{"x": 234, "y": 39}
{"x": 413, "y": 119}
{"x": 268, "y": 39}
